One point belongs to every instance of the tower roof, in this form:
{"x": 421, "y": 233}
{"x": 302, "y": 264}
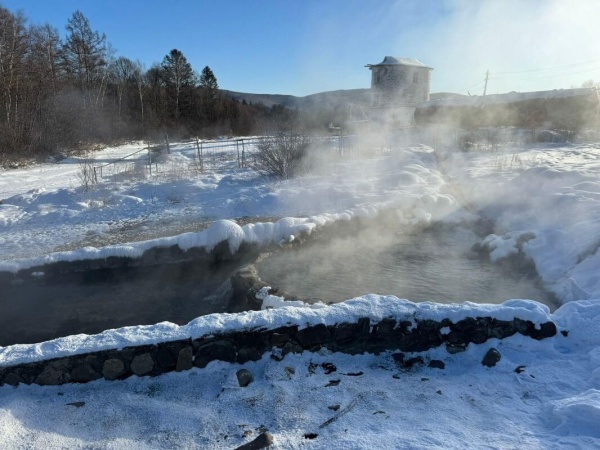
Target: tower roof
{"x": 394, "y": 61}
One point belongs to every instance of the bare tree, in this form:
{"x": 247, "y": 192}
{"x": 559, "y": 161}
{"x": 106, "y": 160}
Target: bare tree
{"x": 282, "y": 156}
{"x": 84, "y": 53}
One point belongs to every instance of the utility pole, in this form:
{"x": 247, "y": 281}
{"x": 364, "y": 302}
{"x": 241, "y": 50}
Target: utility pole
{"x": 487, "y": 75}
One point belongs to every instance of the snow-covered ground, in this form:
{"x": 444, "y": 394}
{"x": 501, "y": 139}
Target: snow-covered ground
{"x": 549, "y": 193}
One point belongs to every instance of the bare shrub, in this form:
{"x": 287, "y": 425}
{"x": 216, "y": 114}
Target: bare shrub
{"x": 86, "y": 175}
{"x": 283, "y": 156}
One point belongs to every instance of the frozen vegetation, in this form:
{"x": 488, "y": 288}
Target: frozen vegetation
{"x": 543, "y": 199}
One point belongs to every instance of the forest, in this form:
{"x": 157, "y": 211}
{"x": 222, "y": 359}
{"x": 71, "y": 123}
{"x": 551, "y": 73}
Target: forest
{"x": 59, "y": 95}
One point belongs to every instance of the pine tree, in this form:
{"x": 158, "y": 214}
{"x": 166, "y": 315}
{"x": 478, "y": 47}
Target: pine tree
{"x": 208, "y": 81}
{"x": 179, "y": 80}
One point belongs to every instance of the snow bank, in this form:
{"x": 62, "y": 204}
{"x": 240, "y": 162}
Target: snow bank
{"x": 372, "y": 306}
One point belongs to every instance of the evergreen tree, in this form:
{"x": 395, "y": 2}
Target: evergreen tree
{"x": 208, "y": 81}
{"x": 179, "y": 81}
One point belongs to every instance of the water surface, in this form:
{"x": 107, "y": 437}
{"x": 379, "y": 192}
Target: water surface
{"x": 436, "y": 264}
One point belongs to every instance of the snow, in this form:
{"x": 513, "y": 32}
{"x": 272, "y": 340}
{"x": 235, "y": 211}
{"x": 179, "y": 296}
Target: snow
{"x": 275, "y": 315}
{"x": 550, "y": 193}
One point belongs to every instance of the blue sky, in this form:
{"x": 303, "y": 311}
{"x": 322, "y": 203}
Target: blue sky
{"x": 301, "y": 47}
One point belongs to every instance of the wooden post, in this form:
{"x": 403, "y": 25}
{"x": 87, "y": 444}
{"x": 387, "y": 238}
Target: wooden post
{"x": 150, "y": 159}
{"x": 243, "y": 154}
{"x": 237, "y": 147}
{"x": 199, "y": 149}
{"x": 167, "y": 141}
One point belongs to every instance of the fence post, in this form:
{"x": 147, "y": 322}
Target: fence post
{"x": 150, "y": 159}
{"x": 200, "y": 156}
{"x": 237, "y": 147}
{"x": 243, "y": 154}
{"x": 167, "y": 141}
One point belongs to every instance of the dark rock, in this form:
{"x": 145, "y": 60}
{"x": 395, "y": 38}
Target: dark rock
{"x": 500, "y": 329}
{"x": 332, "y": 383}
{"x": 76, "y": 404}
{"x": 410, "y": 362}
{"x": 328, "y": 368}
{"x": 334, "y": 407}
{"x": 263, "y": 440}
{"x": 184, "y": 359}
{"x": 385, "y": 328}
{"x": 436, "y": 364}
{"x": 13, "y": 379}
{"x": 438, "y": 392}
{"x": 453, "y": 349}
{"x": 222, "y": 350}
{"x": 52, "y": 377}
{"x": 311, "y": 336}
{"x": 417, "y": 341}
{"x": 142, "y": 364}
{"x": 164, "y": 358}
{"x": 291, "y": 347}
{"x": 457, "y": 338}
{"x": 565, "y": 333}
{"x": 546, "y": 330}
{"x": 311, "y": 436}
{"x": 353, "y": 374}
{"x": 491, "y": 358}
{"x": 248, "y": 354}
{"x": 346, "y": 332}
{"x": 279, "y": 339}
{"x": 398, "y": 357}
{"x": 520, "y": 369}
{"x": 244, "y": 377}
{"x": 84, "y": 373}
{"x": 113, "y": 368}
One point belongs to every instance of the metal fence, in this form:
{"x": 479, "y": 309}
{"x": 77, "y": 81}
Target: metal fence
{"x": 204, "y": 156}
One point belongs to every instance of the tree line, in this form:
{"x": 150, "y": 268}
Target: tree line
{"x": 73, "y": 93}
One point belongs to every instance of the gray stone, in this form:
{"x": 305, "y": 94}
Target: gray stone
{"x": 248, "y": 354}
{"x": 491, "y": 358}
{"x": 52, "y": 377}
{"x": 113, "y": 368}
{"x": 142, "y": 364}
{"x": 262, "y": 441}
{"x": 184, "y": 359}
{"x": 453, "y": 349}
{"x": 436, "y": 364}
{"x": 244, "y": 377}
{"x": 84, "y": 373}
{"x": 222, "y": 350}
{"x": 290, "y": 347}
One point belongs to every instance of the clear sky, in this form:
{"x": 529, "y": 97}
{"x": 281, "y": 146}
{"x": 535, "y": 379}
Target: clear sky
{"x": 302, "y": 47}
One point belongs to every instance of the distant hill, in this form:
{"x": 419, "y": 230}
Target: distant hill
{"x": 328, "y": 99}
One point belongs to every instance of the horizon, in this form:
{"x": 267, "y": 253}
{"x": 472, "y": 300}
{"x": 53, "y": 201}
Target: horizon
{"x": 299, "y": 49}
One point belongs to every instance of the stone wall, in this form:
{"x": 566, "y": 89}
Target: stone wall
{"x": 245, "y": 345}
{"x": 395, "y": 85}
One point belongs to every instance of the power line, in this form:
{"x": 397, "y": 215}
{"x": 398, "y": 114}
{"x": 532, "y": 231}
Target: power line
{"x": 549, "y": 68}
{"x": 535, "y": 77}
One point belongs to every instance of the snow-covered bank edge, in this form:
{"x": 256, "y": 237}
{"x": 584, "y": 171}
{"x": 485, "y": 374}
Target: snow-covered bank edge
{"x": 373, "y": 307}
{"x": 412, "y": 210}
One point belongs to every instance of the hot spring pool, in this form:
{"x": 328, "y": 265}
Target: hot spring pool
{"x": 436, "y": 264}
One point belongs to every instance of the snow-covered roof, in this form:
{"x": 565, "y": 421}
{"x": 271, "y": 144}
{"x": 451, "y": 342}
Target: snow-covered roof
{"x": 510, "y": 97}
{"x": 394, "y": 61}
